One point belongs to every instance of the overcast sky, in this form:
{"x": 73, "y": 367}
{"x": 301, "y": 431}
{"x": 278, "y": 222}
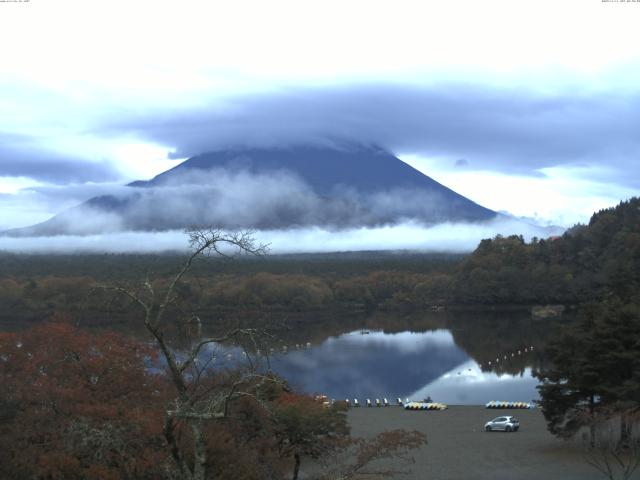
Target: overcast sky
{"x": 530, "y": 107}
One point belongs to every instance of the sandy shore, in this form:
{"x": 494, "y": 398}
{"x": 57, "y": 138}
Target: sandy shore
{"x": 459, "y": 449}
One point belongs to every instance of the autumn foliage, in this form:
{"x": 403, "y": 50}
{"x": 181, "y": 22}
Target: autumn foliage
{"x": 78, "y": 405}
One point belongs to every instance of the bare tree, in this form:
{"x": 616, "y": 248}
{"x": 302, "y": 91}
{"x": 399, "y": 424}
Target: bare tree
{"x": 197, "y": 401}
{"x": 612, "y": 443}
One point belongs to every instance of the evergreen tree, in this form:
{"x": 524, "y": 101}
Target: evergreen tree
{"x": 596, "y": 368}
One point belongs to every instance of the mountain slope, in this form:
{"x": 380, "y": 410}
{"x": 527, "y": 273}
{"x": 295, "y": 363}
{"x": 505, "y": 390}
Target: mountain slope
{"x": 272, "y": 188}
{"x": 365, "y": 169}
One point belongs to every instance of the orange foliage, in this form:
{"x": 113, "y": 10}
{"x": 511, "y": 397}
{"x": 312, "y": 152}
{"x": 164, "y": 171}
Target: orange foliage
{"x": 78, "y": 405}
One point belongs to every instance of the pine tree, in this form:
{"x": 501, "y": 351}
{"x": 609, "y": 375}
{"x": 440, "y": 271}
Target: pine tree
{"x": 596, "y": 368}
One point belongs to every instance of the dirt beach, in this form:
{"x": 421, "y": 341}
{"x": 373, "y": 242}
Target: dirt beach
{"x": 459, "y": 448}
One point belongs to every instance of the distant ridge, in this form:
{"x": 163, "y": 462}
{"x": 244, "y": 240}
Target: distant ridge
{"x": 337, "y": 187}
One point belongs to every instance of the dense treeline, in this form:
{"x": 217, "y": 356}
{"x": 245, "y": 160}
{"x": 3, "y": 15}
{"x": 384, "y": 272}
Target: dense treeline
{"x": 109, "y": 266}
{"x": 32, "y": 298}
{"x": 33, "y": 287}
{"x": 587, "y": 262}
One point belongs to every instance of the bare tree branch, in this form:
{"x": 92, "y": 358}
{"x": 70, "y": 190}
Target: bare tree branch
{"x": 195, "y": 402}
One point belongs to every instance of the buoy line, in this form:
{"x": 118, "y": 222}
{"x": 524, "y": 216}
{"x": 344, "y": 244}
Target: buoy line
{"x": 503, "y": 404}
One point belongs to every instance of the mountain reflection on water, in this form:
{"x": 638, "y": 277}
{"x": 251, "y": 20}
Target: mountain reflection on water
{"x": 405, "y": 364}
{"x": 459, "y": 357}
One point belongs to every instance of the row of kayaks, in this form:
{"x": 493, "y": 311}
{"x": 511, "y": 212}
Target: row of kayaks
{"x": 497, "y": 404}
{"x": 424, "y": 406}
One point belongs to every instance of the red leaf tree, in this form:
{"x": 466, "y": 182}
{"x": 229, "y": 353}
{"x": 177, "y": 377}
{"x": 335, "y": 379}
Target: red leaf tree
{"x": 75, "y": 404}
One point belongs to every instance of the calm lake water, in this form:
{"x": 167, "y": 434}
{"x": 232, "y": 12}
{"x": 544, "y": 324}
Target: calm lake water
{"x": 405, "y": 364}
{"x": 471, "y": 363}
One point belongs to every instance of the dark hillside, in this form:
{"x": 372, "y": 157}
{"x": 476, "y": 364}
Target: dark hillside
{"x": 586, "y": 263}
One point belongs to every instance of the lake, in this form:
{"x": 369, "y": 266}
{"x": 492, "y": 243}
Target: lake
{"x": 477, "y": 359}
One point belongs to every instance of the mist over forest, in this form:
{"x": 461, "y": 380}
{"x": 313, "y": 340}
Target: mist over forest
{"x": 446, "y": 237}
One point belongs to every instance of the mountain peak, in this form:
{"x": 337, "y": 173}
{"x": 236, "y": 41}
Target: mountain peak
{"x": 348, "y": 185}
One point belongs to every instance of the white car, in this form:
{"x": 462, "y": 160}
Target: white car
{"x": 506, "y": 423}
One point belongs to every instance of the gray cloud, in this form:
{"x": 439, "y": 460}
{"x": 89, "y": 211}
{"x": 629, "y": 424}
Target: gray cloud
{"x": 24, "y": 156}
{"x": 508, "y": 130}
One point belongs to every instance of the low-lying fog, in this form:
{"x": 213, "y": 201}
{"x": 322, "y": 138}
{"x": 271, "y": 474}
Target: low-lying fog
{"x": 445, "y": 237}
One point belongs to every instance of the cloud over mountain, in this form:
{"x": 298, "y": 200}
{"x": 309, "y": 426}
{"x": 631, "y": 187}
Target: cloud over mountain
{"x": 505, "y": 130}
{"x": 271, "y": 189}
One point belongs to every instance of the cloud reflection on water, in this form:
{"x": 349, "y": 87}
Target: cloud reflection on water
{"x": 467, "y": 384}
{"x": 371, "y": 365}
{"x": 377, "y": 365}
